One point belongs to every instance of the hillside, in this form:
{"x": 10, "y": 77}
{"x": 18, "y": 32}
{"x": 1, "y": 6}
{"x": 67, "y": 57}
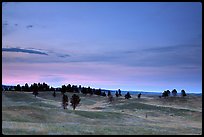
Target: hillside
{"x": 22, "y": 113}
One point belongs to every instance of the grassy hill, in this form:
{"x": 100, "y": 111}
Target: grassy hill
{"x": 22, "y": 113}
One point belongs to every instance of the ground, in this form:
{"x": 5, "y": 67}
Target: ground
{"x": 22, "y": 113}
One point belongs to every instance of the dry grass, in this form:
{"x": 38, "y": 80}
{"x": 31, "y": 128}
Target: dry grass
{"x": 22, "y": 113}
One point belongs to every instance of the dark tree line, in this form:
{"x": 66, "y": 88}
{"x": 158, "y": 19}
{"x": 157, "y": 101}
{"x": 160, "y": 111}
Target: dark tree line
{"x": 35, "y": 86}
{"x": 63, "y": 89}
{"x": 83, "y": 90}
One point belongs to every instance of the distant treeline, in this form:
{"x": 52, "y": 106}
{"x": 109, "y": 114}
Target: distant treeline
{"x": 64, "y": 88}
{"x": 78, "y": 89}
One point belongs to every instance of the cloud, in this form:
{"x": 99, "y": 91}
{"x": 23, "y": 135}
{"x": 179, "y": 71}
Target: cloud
{"x": 184, "y": 55}
{"x": 29, "y": 26}
{"x": 15, "y": 54}
{"x": 173, "y": 48}
{"x": 63, "y": 55}
{"x": 23, "y": 50}
{"x": 5, "y": 24}
{"x": 179, "y": 56}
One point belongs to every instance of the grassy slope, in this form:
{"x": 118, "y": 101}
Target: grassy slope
{"x": 22, "y": 113}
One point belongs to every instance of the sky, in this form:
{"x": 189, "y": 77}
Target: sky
{"x": 132, "y": 46}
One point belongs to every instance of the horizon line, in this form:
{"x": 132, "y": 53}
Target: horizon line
{"x": 112, "y": 89}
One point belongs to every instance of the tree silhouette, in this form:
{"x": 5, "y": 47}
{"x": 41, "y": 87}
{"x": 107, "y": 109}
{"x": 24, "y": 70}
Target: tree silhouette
{"x": 168, "y": 92}
{"x": 88, "y": 90}
{"x": 17, "y": 88}
{"x": 119, "y": 92}
{"x": 165, "y": 94}
{"x": 63, "y": 89}
{"x": 26, "y": 87}
{"x": 116, "y": 94}
{"x": 138, "y": 96}
{"x": 174, "y": 92}
{"x": 75, "y": 101}
{"x": 68, "y": 88}
{"x": 65, "y": 101}
{"x": 127, "y": 96}
{"x": 109, "y": 93}
{"x": 183, "y": 93}
{"x": 52, "y": 89}
{"x": 98, "y": 92}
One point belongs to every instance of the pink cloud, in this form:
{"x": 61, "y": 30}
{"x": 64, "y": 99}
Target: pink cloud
{"x": 90, "y": 74}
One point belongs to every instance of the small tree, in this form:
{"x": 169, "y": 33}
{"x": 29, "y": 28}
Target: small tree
{"x": 119, "y": 92}
{"x": 165, "y": 94}
{"x": 26, "y": 87}
{"x": 174, "y": 92}
{"x": 109, "y": 93}
{"x": 127, "y": 96}
{"x": 63, "y": 89}
{"x": 168, "y": 92}
{"x": 183, "y": 93}
{"x": 65, "y": 101}
{"x": 139, "y": 95}
{"x": 116, "y": 94}
{"x": 75, "y": 101}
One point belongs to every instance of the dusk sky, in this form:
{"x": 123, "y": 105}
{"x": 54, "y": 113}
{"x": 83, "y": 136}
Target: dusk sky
{"x": 150, "y": 46}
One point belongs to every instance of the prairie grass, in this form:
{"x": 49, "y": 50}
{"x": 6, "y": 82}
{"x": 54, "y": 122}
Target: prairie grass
{"x": 23, "y": 114}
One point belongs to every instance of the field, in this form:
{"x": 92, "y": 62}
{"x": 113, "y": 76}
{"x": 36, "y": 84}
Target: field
{"x": 23, "y": 114}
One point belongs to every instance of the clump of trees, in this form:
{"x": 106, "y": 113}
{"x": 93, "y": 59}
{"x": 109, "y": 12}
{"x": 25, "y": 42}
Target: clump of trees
{"x": 35, "y": 86}
{"x": 75, "y": 101}
{"x": 83, "y": 90}
{"x": 174, "y": 92}
{"x": 63, "y": 89}
{"x": 166, "y": 93}
{"x": 127, "y": 96}
{"x": 118, "y": 93}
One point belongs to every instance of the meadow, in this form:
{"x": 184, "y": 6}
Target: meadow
{"x": 23, "y": 114}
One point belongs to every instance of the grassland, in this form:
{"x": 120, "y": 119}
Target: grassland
{"x": 23, "y": 114}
